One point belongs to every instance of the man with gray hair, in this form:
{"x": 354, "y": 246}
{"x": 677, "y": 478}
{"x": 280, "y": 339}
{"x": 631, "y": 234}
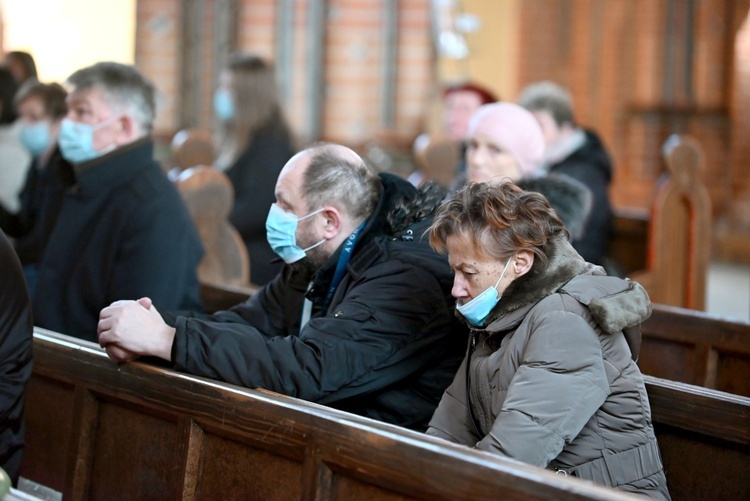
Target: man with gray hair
{"x": 360, "y": 318}
{"x": 577, "y": 153}
{"x": 122, "y": 229}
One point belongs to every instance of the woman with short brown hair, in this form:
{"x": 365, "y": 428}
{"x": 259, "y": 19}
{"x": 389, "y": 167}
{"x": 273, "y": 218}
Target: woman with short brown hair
{"x": 550, "y": 376}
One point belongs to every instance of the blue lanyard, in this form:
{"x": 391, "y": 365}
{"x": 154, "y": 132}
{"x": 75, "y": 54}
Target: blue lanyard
{"x": 344, "y": 257}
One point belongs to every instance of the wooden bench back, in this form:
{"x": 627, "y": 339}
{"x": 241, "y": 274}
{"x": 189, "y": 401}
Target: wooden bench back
{"x": 96, "y": 430}
{"x": 439, "y": 158}
{"x": 192, "y": 147}
{"x": 679, "y": 242}
{"x": 696, "y": 348}
{"x": 209, "y": 197}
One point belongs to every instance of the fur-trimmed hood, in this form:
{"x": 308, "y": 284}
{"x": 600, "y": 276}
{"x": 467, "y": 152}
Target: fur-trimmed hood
{"x": 614, "y": 303}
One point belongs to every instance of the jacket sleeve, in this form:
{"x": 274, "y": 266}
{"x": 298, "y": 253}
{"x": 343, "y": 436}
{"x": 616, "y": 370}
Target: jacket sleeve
{"x": 376, "y": 335}
{"x": 451, "y": 420}
{"x": 559, "y": 385}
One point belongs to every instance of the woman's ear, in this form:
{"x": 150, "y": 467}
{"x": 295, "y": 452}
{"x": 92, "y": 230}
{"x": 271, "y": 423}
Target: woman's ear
{"x": 524, "y": 261}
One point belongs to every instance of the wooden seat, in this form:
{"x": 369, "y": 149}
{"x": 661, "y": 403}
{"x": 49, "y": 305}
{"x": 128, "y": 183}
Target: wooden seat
{"x": 138, "y": 431}
{"x": 438, "y": 157}
{"x": 679, "y": 239}
{"x": 192, "y": 147}
{"x": 209, "y": 197}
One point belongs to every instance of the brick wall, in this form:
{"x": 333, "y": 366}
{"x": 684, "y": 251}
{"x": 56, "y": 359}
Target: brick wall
{"x": 625, "y": 63}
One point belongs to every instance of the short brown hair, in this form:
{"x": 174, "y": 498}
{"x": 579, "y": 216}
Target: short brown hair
{"x": 52, "y": 96}
{"x": 500, "y": 218}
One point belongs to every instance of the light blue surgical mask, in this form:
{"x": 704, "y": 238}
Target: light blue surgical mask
{"x": 35, "y": 137}
{"x": 223, "y": 104}
{"x": 76, "y": 140}
{"x": 281, "y": 227}
{"x": 478, "y": 309}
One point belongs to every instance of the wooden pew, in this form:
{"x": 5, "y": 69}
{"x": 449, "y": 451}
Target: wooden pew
{"x": 209, "y": 197}
{"x": 679, "y": 232}
{"x": 96, "y": 430}
{"x": 696, "y": 348}
{"x": 192, "y": 147}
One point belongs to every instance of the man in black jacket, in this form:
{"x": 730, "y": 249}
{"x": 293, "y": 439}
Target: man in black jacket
{"x": 577, "y": 153}
{"x": 360, "y": 318}
{"x": 16, "y": 329}
{"x": 121, "y": 229}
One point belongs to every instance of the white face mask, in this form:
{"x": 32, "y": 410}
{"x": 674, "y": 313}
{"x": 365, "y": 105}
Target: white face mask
{"x": 478, "y": 309}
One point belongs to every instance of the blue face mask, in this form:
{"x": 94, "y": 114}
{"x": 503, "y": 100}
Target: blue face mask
{"x": 281, "y": 227}
{"x": 478, "y": 309}
{"x": 76, "y": 140}
{"x": 35, "y": 137}
{"x": 223, "y": 104}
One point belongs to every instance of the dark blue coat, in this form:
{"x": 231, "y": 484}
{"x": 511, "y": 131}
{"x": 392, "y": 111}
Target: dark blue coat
{"x": 122, "y": 233}
{"x": 386, "y": 347}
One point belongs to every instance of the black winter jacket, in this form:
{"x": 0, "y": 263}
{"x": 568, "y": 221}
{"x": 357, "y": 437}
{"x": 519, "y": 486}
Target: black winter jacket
{"x": 387, "y": 346}
{"x": 41, "y": 198}
{"x": 591, "y": 165}
{"x": 122, "y": 233}
{"x": 16, "y": 329}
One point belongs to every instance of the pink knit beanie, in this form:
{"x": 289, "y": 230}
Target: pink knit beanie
{"x": 514, "y": 129}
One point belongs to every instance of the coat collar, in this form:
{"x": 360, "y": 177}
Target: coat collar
{"x": 563, "y": 264}
{"x": 106, "y": 173}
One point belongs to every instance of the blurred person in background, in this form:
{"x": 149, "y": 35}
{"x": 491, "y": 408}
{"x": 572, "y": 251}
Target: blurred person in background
{"x": 577, "y": 153}
{"x": 505, "y": 142}
{"x": 21, "y": 65}
{"x": 41, "y": 108}
{"x": 254, "y": 143}
{"x": 122, "y": 229}
{"x": 14, "y": 158}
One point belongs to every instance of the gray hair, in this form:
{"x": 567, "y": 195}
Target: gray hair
{"x": 548, "y": 96}
{"x": 335, "y": 175}
{"x": 123, "y": 86}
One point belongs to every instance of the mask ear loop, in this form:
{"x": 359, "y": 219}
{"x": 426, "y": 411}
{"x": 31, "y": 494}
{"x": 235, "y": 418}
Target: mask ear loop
{"x": 503, "y": 273}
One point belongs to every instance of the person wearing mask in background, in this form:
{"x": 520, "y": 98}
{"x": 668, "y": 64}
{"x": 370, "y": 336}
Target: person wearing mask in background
{"x": 15, "y": 160}
{"x": 505, "y": 142}
{"x": 360, "y": 317}
{"x": 254, "y": 142}
{"x": 41, "y": 108}
{"x": 122, "y": 229}
{"x": 550, "y": 377}
{"x": 16, "y": 331}
{"x": 577, "y": 153}
{"x": 21, "y": 65}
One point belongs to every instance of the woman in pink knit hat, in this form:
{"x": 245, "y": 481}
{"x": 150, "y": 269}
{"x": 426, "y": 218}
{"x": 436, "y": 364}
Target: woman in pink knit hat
{"x": 505, "y": 142}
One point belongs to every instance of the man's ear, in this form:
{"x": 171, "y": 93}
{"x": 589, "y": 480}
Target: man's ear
{"x": 333, "y": 222}
{"x": 128, "y": 130}
{"x": 524, "y": 261}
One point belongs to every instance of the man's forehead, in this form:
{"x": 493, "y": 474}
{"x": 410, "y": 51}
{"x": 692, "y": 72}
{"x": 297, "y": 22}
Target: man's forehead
{"x": 289, "y": 184}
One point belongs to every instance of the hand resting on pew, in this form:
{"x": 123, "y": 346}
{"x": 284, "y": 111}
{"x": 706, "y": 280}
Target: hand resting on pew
{"x": 129, "y": 329}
